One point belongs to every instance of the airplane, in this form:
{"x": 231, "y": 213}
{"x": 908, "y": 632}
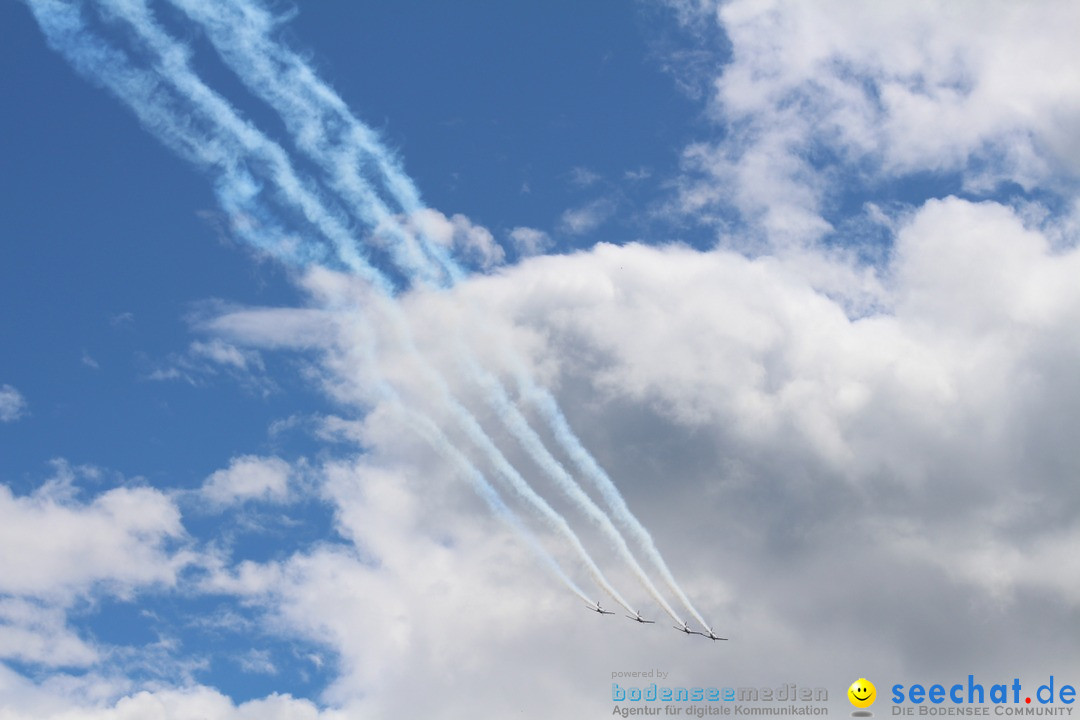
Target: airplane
{"x": 711, "y": 635}
{"x": 638, "y": 618}
{"x": 599, "y": 609}
{"x": 686, "y": 629}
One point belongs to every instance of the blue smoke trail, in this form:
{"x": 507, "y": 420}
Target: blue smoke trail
{"x": 325, "y": 129}
{"x": 436, "y": 438}
{"x": 217, "y": 140}
{"x": 240, "y": 31}
{"x": 328, "y": 132}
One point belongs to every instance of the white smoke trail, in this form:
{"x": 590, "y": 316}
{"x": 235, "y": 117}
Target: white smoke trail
{"x": 315, "y": 114}
{"x": 475, "y": 432}
{"x": 175, "y": 65}
{"x": 430, "y": 432}
{"x": 427, "y": 430}
{"x": 534, "y": 446}
{"x": 224, "y": 151}
{"x": 601, "y": 481}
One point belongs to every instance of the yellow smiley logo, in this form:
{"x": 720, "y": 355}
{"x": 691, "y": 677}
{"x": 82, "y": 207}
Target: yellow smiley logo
{"x": 862, "y": 693}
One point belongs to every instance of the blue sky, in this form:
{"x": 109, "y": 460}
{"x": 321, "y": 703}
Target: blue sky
{"x": 799, "y": 278}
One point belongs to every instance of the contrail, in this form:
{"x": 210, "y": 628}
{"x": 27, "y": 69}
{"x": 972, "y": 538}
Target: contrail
{"x": 174, "y": 65}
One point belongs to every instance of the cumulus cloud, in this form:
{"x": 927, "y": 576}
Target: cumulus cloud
{"x": 32, "y": 633}
{"x": 119, "y": 538}
{"x": 62, "y": 552}
{"x": 249, "y": 477}
{"x": 878, "y": 459}
{"x": 882, "y": 90}
{"x": 436, "y": 594}
{"x": 12, "y": 404}
{"x": 773, "y": 422}
{"x": 164, "y": 704}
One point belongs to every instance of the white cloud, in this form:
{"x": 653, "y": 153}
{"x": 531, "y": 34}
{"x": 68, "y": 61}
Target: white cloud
{"x": 585, "y": 219}
{"x": 122, "y": 320}
{"x": 249, "y": 477}
{"x": 205, "y": 360}
{"x": 257, "y": 661}
{"x": 12, "y": 404}
{"x": 119, "y": 539}
{"x": 828, "y": 93}
{"x": 440, "y": 594}
{"x": 52, "y": 703}
{"x": 474, "y": 244}
{"x": 774, "y": 421}
{"x": 896, "y": 443}
{"x": 530, "y": 241}
{"x": 223, "y": 353}
{"x": 31, "y": 633}
{"x": 62, "y": 553}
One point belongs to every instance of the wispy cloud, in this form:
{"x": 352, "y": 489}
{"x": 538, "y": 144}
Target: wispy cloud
{"x": 89, "y": 361}
{"x": 585, "y": 219}
{"x": 530, "y": 241}
{"x": 583, "y": 177}
{"x": 12, "y": 404}
{"x": 205, "y": 360}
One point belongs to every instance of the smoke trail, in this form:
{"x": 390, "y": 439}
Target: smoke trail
{"x": 315, "y": 115}
{"x": 223, "y": 152}
{"x": 437, "y": 439}
{"x": 248, "y": 142}
{"x": 475, "y": 432}
{"x": 323, "y": 127}
{"x": 430, "y": 432}
{"x": 210, "y": 135}
{"x": 312, "y": 111}
{"x": 591, "y": 469}
{"x": 534, "y": 446}
{"x": 238, "y": 190}
{"x": 175, "y": 65}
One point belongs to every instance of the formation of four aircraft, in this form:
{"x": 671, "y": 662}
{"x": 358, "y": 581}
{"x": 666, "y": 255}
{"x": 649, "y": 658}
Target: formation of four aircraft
{"x": 636, "y": 617}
